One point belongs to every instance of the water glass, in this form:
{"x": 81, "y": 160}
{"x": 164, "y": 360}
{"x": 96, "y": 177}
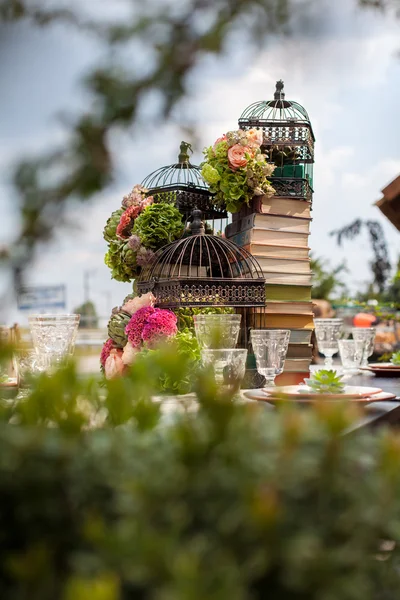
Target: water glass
{"x": 366, "y": 334}
{"x": 228, "y": 364}
{"x": 270, "y": 348}
{"x": 217, "y": 331}
{"x": 351, "y": 354}
{"x": 327, "y": 332}
{"x": 53, "y": 336}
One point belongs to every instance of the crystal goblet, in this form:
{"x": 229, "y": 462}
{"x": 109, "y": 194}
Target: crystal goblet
{"x": 327, "y": 332}
{"x": 53, "y": 336}
{"x": 351, "y": 354}
{"x": 228, "y": 364}
{"x": 366, "y": 334}
{"x": 217, "y": 331}
{"x": 270, "y": 348}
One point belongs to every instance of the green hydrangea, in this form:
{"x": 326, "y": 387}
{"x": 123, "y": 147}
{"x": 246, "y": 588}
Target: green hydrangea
{"x": 210, "y": 174}
{"x": 158, "y": 224}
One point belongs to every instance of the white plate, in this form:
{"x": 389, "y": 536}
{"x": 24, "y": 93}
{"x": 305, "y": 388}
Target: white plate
{"x": 350, "y": 392}
{"x": 261, "y": 396}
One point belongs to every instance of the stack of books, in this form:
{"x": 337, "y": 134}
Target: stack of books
{"x": 276, "y": 232}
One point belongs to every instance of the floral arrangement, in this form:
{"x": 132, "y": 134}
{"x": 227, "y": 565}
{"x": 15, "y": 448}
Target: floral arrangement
{"x": 136, "y": 230}
{"x": 236, "y": 169}
{"x": 326, "y": 381}
{"x": 134, "y": 326}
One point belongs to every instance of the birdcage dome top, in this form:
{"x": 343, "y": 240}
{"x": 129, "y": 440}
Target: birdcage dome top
{"x": 202, "y": 256}
{"x": 277, "y": 110}
{"x": 178, "y": 176}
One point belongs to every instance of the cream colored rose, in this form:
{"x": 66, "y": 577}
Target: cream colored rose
{"x": 134, "y": 304}
{"x": 114, "y": 367}
{"x": 129, "y": 354}
{"x": 236, "y": 156}
{"x": 255, "y": 137}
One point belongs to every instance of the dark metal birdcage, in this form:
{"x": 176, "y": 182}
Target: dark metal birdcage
{"x": 182, "y": 184}
{"x": 202, "y": 270}
{"x": 288, "y": 142}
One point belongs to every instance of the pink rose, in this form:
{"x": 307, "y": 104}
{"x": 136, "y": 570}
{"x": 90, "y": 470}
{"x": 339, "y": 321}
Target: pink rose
{"x": 134, "y": 304}
{"x": 129, "y": 354}
{"x": 114, "y": 366}
{"x": 255, "y": 137}
{"x": 236, "y": 156}
{"x": 220, "y": 139}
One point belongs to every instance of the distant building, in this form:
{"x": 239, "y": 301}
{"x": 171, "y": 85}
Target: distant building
{"x": 389, "y": 204}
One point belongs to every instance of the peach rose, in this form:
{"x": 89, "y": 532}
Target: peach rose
{"x": 129, "y": 354}
{"x": 255, "y": 137}
{"x": 134, "y": 304}
{"x": 236, "y": 156}
{"x": 220, "y": 139}
{"x": 114, "y": 367}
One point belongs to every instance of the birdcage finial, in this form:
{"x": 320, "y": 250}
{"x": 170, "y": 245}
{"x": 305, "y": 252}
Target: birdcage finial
{"x": 279, "y": 93}
{"x": 197, "y": 225}
{"x": 185, "y": 148}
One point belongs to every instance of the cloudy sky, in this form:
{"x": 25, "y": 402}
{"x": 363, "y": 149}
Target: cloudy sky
{"x": 346, "y": 74}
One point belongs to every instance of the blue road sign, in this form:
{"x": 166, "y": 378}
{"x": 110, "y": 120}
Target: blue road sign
{"x": 42, "y": 297}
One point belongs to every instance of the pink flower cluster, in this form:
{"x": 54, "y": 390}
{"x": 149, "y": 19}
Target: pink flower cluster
{"x": 134, "y": 203}
{"x": 150, "y": 325}
{"x": 147, "y": 325}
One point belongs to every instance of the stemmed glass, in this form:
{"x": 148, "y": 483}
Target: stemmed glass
{"x": 327, "y": 332}
{"x": 53, "y": 336}
{"x": 217, "y": 331}
{"x": 367, "y": 335}
{"x": 270, "y": 348}
{"x": 351, "y": 354}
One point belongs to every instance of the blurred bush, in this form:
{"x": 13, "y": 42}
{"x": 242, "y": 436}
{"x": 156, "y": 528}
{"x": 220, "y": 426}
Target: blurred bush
{"x": 104, "y": 498}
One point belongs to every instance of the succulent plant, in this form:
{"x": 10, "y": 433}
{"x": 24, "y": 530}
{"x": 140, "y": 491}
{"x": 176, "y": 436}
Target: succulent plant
{"x": 395, "y": 360}
{"x": 116, "y": 328}
{"x": 326, "y": 382}
{"x": 109, "y": 232}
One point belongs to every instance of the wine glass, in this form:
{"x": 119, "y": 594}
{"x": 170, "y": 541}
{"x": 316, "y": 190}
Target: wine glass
{"x": 217, "y": 331}
{"x": 327, "y": 332}
{"x": 366, "y": 334}
{"x": 270, "y": 348}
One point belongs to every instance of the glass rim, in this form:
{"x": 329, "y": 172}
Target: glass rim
{"x": 269, "y": 331}
{"x": 231, "y": 350}
{"x": 363, "y": 329}
{"x": 216, "y": 316}
{"x": 330, "y": 320}
{"x": 71, "y": 316}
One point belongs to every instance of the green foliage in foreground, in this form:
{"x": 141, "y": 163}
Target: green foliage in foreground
{"x": 106, "y": 495}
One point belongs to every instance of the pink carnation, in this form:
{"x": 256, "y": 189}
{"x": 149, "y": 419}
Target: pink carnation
{"x": 136, "y": 324}
{"x": 150, "y": 324}
{"x": 105, "y": 352}
{"x": 161, "y": 323}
